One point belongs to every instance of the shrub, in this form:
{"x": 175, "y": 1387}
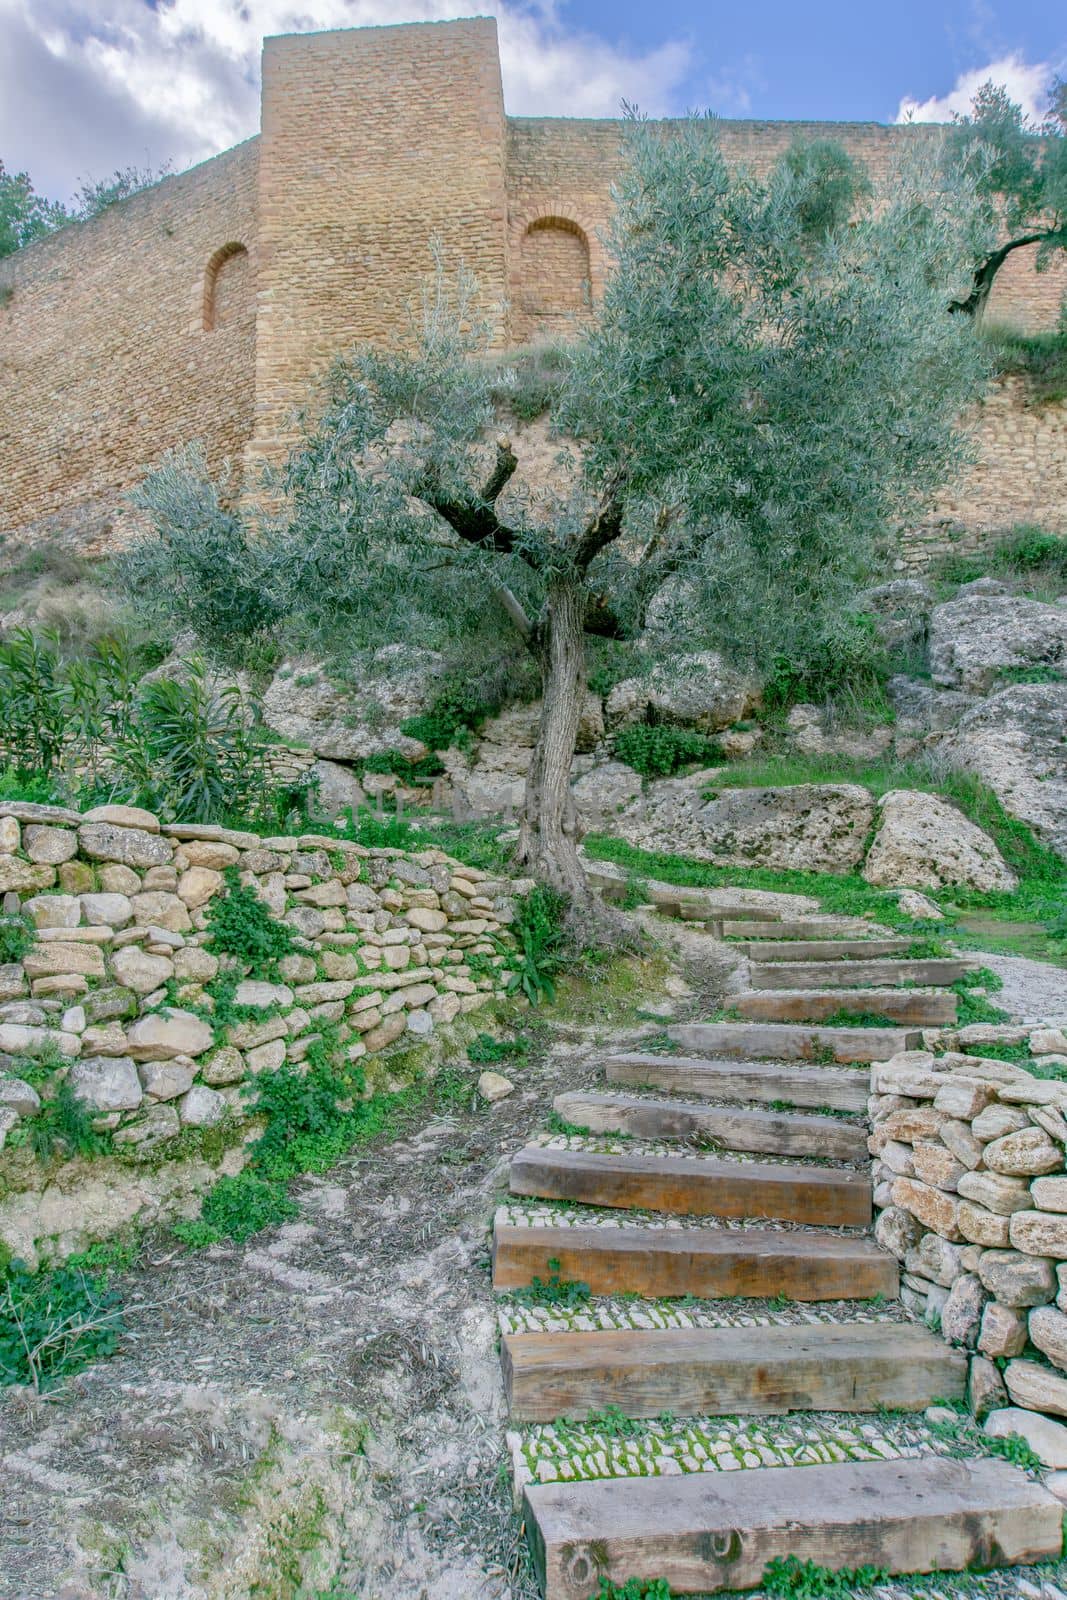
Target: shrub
{"x": 236, "y": 1208}
{"x": 539, "y": 930}
{"x": 240, "y": 925}
{"x": 64, "y": 1126}
{"x": 849, "y": 664}
{"x": 16, "y": 937}
{"x": 454, "y": 717}
{"x": 53, "y": 1323}
{"x": 658, "y": 751}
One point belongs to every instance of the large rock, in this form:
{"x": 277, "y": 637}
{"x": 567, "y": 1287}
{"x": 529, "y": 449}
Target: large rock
{"x": 337, "y": 788}
{"x": 689, "y": 691}
{"x": 1031, "y": 1384}
{"x": 158, "y": 1036}
{"x": 492, "y": 778}
{"x": 106, "y": 1083}
{"x": 809, "y": 827}
{"x": 813, "y": 733}
{"x": 977, "y": 636}
{"x": 1014, "y": 742}
{"x": 133, "y": 847}
{"x": 923, "y": 842}
{"x": 604, "y": 793}
{"x": 922, "y": 709}
{"x": 902, "y": 607}
{"x": 344, "y": 723}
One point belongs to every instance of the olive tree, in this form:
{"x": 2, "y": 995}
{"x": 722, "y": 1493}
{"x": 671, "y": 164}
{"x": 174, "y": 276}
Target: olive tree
{"x": 771, "y": 386}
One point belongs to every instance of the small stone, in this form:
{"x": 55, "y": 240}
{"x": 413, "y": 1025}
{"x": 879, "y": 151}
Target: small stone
{"x": 224, "y": 1066}
{"x": 48, "y": 845}
{"x": 10, "y": 835}
{"x": 493, "y": 1086}
{"x": 933, "y": 1208}
{"x": 8, "y": 1119}
{"x": 995, "y": 1121}
{"x": 1037, "y": 1387}
{"x": 198, "y": 885}
{"x": 934, "y": 1164}
{"x": 166, "y": 1080}
{"x": 107, "y": 1083}
{"x": 266, "y": 1057}
{"x": 957, "y": 1137}
{"x": 159, "y": 908}
{"x": 114, "y": 910}
{"x": 24, "y": 877}
{"x": 137, "y": 970}
{"x": 985, "y": 1387}
{"x": 21, "y": 1039}
{"x": 962, "y": 1313}
{"x": 253, "y": 992}
{"x": 980, "y": 1226}
{"x": 73, "y": 1020}
{"x": 1040, "y": 1233}
{"x": 1047, "y": 1439}
{"x": 1048, "y": 1331}
{"x": 1017, "y": 1280}
{"x": 17, "y": 1095}
{"x": 420, "y": 1023}
{"x": 132, "y": 847}
{"x": 58, "y": 957}
{"x": 53, "y": 910}
{"x": 194, "y": 965}
{"x": 389, "y": 1029}
{"x": 149, "y": 1128}
{"x": 1048, "y": 1042}
{"x": 1003, "y": 1332}
{"x": 964, "y": 1098}
{"x": 202, "y": 1107}
{"x": 996, "y": 1192}
{"x": 427, "y": 919}
{"x": 124, "y": 817}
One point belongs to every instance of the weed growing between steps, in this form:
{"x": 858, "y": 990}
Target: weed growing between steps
{"x": 53, "y": 1323}
{"x": 788, "y": 1578}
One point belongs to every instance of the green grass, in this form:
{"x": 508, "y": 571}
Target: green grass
{"x": 1033, "y": 913}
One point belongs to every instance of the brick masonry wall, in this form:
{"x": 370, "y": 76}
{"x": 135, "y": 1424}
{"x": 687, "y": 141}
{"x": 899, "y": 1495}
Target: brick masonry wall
{"x": 143, "y": 329}
{"x": 105, "y": 362}
{"x": 374, "y": 141}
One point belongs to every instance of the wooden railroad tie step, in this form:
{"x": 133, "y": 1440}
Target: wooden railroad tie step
{"x": 713, "y": 1263}
{"x": 854, "y": 1366}
{"x": 812, "y": 1005}
{"x": 704, "y": 1532}
{"x": 853, "y": 974}
{"x": 730, "y": 1127}
{"x": 830, "y": 1197}
{"x": 753, "y": 1041}
{"x": 839, "y": 1088}
{"x": 745, "y": 926}
{"x": 843, "y": 950}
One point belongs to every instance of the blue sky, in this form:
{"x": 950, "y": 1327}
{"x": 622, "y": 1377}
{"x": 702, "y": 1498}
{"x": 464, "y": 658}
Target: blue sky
{"x": 843, "y": 59}
{"x": 90, "y": 85}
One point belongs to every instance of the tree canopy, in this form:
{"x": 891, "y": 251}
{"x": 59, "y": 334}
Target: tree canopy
{"x": 771, "y": 386}
{"x": 1019, "y": 171}
{"x": 25, "y": 215}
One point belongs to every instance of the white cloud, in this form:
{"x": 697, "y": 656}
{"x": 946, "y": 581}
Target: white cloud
{"x": 87, "y": 86}
{"x": 1027, "y": 83}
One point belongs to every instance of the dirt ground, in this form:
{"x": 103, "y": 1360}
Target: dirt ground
{"x": 318, "y": 1414}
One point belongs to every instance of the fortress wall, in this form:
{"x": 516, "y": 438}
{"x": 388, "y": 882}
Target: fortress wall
{"x": 105, "y": 361}
{"x": 374, "y": 140}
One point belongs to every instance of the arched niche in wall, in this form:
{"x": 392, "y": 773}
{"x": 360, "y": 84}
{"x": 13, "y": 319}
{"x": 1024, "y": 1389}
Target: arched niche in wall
{"x": 556, "y": 277}
{"x": 227, "y": 287}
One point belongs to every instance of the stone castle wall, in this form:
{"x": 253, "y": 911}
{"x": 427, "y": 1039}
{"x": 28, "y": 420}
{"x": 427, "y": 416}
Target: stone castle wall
{"x": 126, "y": 336}
{"x": 207, "y": 307}
{"x": 117, "y": 997}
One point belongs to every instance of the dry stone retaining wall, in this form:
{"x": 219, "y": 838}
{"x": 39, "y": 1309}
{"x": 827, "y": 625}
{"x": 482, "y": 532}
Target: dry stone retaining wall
{"x": 971, "y": 1193}
{"x": 115, "y": 992}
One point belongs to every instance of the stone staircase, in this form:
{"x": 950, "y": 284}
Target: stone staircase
{"x": 739, "y": 1171}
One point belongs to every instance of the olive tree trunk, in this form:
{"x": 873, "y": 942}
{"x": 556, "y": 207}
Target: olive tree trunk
{"x": 548, "y": 842}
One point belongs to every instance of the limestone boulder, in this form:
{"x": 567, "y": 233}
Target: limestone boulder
{"x": 49, "y": 846}
{"x": 337, "y": 788}
{"x": 978, "y": 636}
{"x": 813, "y": 733}
{"x": 1048, "y": 1331}
{"x": 137, "y": 970}
{"x": 809, "y": 827}
{"x": 343, "y": 722}
{"x": 1015, "y": 1279}
{"x": 106, "y": 910}
{"x": 1014, "y": 742}
{"x": 696, "y": 691}
{"x": 922, "y": 708}
{"x": 19, "y": 1096}
{"x": 603, "y": 793}
{"x": 922, "y": 842}
{"x": 1039, "y": 1387}
{"x": 129, "y": 846}
{"x": 166, "y": 1080}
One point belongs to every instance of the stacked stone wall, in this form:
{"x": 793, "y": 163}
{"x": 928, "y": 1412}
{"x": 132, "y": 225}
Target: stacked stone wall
{"x": 971, "y": 1190}
{"x": 105, "y": 359}
{"x": 118, "y": 990}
